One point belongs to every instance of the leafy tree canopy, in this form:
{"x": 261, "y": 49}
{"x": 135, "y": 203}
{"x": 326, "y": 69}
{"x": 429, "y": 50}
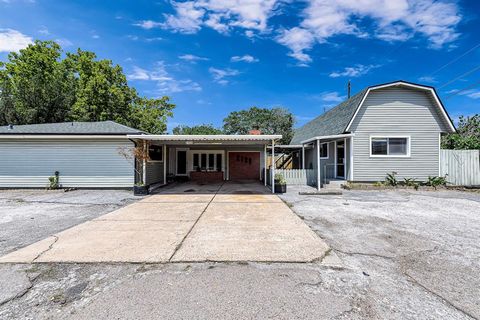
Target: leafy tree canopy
{"x": 467, "y": 136}
{"x": 268, "y": 121}
{"x": 197, "y": 130}
{"x": 40, "y": 85}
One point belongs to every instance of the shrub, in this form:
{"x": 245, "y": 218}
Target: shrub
{"x": 280, "y": 179}
{"x": 411, "y": 182}
{"x": 54, "y": 181}
{"x": 436, "y": 181}
{"x": 391, "y": 179}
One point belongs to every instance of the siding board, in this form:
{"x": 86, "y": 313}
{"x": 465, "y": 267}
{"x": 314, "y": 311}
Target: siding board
{"x": 401, "y": 112}
{"x": 81, "y": 163}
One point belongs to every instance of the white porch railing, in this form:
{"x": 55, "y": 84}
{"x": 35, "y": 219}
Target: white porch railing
{"x": 297, "y": 176}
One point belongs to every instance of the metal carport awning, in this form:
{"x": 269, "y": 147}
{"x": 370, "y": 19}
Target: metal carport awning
{"x": 221, "y": 139}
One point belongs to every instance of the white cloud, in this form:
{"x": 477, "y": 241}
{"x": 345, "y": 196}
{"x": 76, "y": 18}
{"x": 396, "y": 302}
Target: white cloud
{"x": 188, "y": 17}
{"x": 148, "y": 24}
{"x": 298, "y": 40}
{"x": 219, "y": 75}
{"x": 474, "y": 94}
{"x": 220, "y": 15}
{"x": 331, "y": 96}
{"x": 355, "y": 71}
{"x": 13, "y": 40}
{"x": 64, "y": 42}
{"x": 192, "y": 58}
{"x": 138, "y": 74}
{"x": 164, "y": 81}
{"x": 392, "y": 21}
{"x": 427, "y": 79}
{"x": 471, "y": 93}
{"x": 245, "y": 58}
{"x": 44, "y": 30}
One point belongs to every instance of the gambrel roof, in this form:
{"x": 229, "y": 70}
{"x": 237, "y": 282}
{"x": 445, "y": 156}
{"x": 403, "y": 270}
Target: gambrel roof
{"x": 338, "y": 120}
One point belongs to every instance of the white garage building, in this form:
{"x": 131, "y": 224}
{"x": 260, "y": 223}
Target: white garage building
{"x": 86, "y": 154}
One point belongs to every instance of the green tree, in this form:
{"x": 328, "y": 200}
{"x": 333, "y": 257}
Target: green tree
{"x": 467, "y": 136}
{"x": 268, "y": 121}
{"x": 198, "y": 130}
{"x": 36, "y": 86}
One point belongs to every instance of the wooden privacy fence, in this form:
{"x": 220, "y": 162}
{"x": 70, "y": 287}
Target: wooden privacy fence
{"x": 462, "y": 167}
{"x": 297, "y": 176}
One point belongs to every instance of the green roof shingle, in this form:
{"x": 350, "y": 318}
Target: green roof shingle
{"x": 332, "y": 122}
{"x": 72, "y": 128}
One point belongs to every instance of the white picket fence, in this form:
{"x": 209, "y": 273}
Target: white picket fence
{"x": 297, "y": 176}
{"x": 462, "y": 167}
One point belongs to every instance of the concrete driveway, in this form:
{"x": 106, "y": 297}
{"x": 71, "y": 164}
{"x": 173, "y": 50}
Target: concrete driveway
{"x": 186, "y": 223}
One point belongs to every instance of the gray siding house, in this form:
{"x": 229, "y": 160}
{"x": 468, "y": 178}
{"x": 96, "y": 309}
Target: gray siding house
{"x": 86, "y": 154}
{"x": 393, "y": 127}
{"x": 90, "y": 155}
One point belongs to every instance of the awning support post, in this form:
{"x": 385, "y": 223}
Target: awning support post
{"x": 303, "y": 156}
{"x": 318, "y": 166}
{"x": 144, "y": 165}
{"x": 272, "y": 171}
{"x": 265, "y": 165}
{"x": 164, "y": 164}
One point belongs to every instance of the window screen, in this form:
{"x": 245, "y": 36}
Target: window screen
{"x": 390, "y": 146}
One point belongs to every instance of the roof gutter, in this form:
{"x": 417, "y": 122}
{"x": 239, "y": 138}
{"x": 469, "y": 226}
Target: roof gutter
{"x": 220, "y": 137}
{"x": 61, "y": 136}
{"x": 336, "y": 136}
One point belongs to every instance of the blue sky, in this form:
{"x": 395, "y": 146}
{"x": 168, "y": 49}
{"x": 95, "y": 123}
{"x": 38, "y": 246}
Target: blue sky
{"x": 216, "y": 56}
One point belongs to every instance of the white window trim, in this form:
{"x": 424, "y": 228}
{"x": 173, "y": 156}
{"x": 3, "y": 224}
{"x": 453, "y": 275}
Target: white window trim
{"x": 409, "y": 144}
{"x": 207, "y": 152}
{"x": 156, "y": 161}
{"x": 176, "y": 162}
{"x": 328, "y": 150}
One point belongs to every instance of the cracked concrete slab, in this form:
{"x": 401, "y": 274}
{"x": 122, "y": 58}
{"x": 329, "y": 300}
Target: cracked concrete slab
{"x": 13, "y": 283}
{"x": 250, "y": 231}
{"x": 234, "y": 227}
{"x": 30, "y": 253}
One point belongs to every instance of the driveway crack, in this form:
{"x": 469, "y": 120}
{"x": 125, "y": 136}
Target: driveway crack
{"x": 177, "y": 247}
{"x": 446, "y": 301}
{"x": 22, "y": 293}
{"x": 55, "y": 239}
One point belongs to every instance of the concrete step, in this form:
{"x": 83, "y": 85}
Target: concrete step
{"x": 334, "y": 184}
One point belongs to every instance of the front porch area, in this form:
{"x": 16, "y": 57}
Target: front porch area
{"x": 203, "y": 159}
{"x": 320, "y": 161}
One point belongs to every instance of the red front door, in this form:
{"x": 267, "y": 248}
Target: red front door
{"x": 244, "y": 165}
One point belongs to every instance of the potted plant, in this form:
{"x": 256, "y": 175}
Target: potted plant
{"x": 137, "y": 156}
{"x": 139, "y": 189}
{"x": 280, "y": 183}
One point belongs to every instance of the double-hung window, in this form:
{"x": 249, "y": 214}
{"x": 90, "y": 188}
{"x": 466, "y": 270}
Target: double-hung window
{"x": 389, "y": 146}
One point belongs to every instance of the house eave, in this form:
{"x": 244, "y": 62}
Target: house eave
{"x": 335, "y": 136}
{"x": 406, "y": 84}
